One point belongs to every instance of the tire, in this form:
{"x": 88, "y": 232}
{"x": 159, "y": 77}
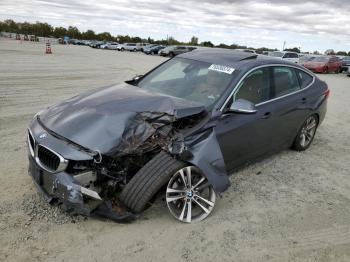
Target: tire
{"x": 152, "y": 53}
{"x": 325, "y": 70}
{"x": 306, "y": 134}
{"x": 122, "y": 49}
{"x": 171, "y": 54}
{"x": 135, "y": 50}
{"x": 147, "y": 182}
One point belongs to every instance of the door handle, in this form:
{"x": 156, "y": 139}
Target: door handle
{"x": 303, "y": 100}
{"x": 266, "y": 115}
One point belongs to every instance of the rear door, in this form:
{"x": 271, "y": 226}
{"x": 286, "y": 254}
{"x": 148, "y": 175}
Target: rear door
{"x": 288, "y": 103}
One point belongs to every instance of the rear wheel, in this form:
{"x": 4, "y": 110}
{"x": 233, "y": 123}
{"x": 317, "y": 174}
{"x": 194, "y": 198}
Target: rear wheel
{"x": 306, "y": 134}
{"x": 325, "y": 70}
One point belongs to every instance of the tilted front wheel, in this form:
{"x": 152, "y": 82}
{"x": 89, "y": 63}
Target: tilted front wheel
{"x": 306, "y": 134}
{"x": 189, "y": 196}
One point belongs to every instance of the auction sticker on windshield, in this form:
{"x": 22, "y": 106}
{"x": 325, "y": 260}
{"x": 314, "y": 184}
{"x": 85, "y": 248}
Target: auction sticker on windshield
{"x": 221, "y": 68}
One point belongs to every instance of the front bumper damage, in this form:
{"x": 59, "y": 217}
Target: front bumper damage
{"x": 61, "y": 189}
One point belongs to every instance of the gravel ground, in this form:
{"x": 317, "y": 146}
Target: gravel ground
{"x": 289, "y": 207}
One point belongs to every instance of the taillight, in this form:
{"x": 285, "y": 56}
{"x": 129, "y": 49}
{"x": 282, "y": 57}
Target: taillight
{"x": 327, "y": 93}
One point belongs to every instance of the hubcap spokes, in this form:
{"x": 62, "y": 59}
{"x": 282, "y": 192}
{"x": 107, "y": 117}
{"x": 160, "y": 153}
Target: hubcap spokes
{"x": 308, "y": 131}
{"x": 188, "y": 196}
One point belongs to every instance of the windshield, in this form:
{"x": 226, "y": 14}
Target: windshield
{"x": 320, "y": 59}
{"x": 277, "y": 54}
{"x": 189, "y": 79}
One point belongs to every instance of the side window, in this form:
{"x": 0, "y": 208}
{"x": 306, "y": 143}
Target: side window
{"x": 255, "y": 87}
{"x": 286, "y": 81}
{"x": 292, "y": 55}
{"x": 304, "y": 78}
{"x": 286, "y": 55}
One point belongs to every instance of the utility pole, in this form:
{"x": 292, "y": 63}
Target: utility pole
{"x": 284, "y": 45}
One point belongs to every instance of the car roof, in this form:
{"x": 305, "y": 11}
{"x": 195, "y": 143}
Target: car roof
{"x": 230, "y": 57}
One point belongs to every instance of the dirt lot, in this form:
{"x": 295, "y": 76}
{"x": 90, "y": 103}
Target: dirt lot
{"x": 289, "y": 207}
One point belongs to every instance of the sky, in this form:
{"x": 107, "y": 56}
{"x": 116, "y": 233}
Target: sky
{"x": 310, "y": 25}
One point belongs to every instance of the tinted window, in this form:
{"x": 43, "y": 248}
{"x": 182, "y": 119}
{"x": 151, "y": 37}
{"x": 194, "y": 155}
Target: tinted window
{"x": 255, "y": 87}
{"x": 276, "y": 54}
{"x": 304, "y": 78}
{"x": 320, "y": 59}
{"x": 293, "y": 55}
{"x": 286, "y": 81}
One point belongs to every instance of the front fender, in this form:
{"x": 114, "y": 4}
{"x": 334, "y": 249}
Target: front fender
{"x": 203, "y": 151}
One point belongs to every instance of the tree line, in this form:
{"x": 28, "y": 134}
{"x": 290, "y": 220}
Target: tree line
{"x": 46, "y": 30}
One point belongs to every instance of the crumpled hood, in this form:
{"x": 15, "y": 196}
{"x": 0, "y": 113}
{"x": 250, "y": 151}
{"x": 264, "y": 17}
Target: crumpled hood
{"x": 99, "y": 119}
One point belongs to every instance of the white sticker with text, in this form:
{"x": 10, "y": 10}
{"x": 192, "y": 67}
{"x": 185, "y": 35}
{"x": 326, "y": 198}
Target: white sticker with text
{"x": 221, "y": 68}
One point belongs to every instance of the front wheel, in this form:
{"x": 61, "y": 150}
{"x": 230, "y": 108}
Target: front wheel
{"x": 306, "y": 134}
{"x": 189, "y": 195}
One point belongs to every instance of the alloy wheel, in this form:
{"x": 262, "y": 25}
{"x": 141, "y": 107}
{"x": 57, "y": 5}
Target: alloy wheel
{"x": 189, "y": 196}
{"x": 308, "y": 131}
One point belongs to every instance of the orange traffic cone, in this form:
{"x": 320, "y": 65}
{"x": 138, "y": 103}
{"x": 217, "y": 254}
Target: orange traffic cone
{"x": 48, "y": 48}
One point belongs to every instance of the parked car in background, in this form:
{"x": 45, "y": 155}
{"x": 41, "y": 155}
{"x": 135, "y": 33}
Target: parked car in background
{"x": 324, "y": 64}
{"x": 304, "y": 58}
{"x": 76, "y": 42}
{"x": 129, "y": 47}
{"x": 97, "y": 44}
{"x": 141, "y": 46}
{"x": 112, "y": 46}
{"x": 286, "y": 55}
{"x": 153, "y": 49}
{"x": 120, "y": 46}
{"x": 176, "y": 50}
{"x": 345, "y": 64}
{"x": 104, "y": 45}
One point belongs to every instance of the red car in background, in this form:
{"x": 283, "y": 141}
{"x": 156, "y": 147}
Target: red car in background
{"x": 324, "y": 64}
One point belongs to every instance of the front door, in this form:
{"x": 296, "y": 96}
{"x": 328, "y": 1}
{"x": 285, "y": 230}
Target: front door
{"x": 243, "y": 137}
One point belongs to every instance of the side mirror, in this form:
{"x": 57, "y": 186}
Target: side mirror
{"x": 136, "y": 78}
{"x": 242, "y": 106}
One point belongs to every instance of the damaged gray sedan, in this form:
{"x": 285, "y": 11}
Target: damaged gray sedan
{"x": 177, "y": 131}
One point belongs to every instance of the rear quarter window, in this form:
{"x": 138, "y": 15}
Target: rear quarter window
{"x": 305, "y": 79}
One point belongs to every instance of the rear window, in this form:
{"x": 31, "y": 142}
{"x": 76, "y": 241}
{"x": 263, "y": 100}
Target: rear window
{"x": 293, "y": 55}
{"x": 286, "y": 81}
{"x": 305, "y": 79}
